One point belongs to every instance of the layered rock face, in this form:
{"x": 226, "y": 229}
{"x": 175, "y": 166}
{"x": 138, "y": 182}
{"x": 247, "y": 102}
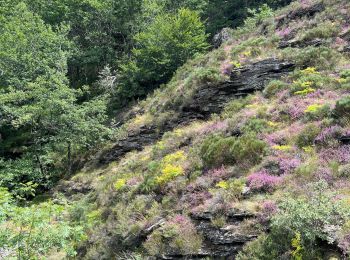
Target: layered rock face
{"x": 208, "y": 100}
{"x": 219, "y": 243}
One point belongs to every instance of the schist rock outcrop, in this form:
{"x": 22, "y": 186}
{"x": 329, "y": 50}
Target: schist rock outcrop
{"x": 208, "y": 100}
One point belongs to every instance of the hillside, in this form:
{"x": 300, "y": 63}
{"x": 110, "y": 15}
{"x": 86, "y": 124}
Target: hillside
{"x": 243, "y": 154}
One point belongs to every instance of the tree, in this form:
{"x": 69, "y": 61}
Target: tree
{"x": 223, "y": 13}
{"x": 36, "y": 101}
{"x": 160, "y": 49}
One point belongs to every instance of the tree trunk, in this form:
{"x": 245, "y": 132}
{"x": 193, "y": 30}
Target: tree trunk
{"x": 69, "y": 158}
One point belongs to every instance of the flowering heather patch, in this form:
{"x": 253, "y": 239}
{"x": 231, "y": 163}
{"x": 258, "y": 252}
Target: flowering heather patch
{"x": 346, "y": 131}
{"x": 226, "y": 67}
{"x": 281, "y": 136}
{"x": 218, "y": 173}
{"x": 263, "y": 181}
{"x": 134, "y": 181}
{"x": 195, "y": 199}
{"x": 325, "y": 95}
{"x": 284, "y": 162}
{"x": 179, "y": 219}
{"x": 288, "y": 164}
{"x": 340, "y": 154}
{"x": 283, "y": 95}
{"x": 339, "y": 42}
{"x": 305, "y": 3}
{"x": 328, "y": 134}
{"x": 345, "y": 27}
{"x": 274, "y": 138}
{"x": 306, "y": 103}
{"x": 268, "y": 209}
{"x": 284, "y": 32}
{"x": 214, "y": 127}
{"x": 324, "y": 174}
{"x": 344, "y": 243}
{"x": 296, "y": 112}
{"x": 248, "y": 113}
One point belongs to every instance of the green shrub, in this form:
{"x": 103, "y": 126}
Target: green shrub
{"x": 207, "y": 75}
{"x": 344, "y": 171}
{"x": 255, "y": 125}
{"x": 316, "y": 111}
{"x": 310, "y": 215}
{"x": 233, "y": 188}
{"x": 300, "y": 224}
{"x": 319, "y": 57}
{"x": 307, "y": 136}
{"x": 261, "y": 248}
{"x": 342, "y": 107}
{"x": 216, "y": 151}
{"x": 38, "y": 230}
{"x": 248, "y": 149}
{"x": 234, "y": 106}
{"x": 273, "y": 88}
{"x": 307, "y": 81}
{"x": 345, "y": 74}
{"x": 327, "y": 29}
{"x": 22, "y": 177}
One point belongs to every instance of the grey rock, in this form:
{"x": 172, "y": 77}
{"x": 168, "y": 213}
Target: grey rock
{"x": 347, "y": 49}
{"x": 219, "y": 243}
{"x": 221, "y": 37}
{"x": 345, "y": 36}
{"x": 69, "y": 188}
{"x": 345, "y": 139}
{"x": 301, "y": 44}
{"x": 208, "y": 100}
{"x": 309, "y": 11}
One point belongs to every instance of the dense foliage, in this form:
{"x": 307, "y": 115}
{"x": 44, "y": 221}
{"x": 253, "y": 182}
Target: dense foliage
{"x": 271, "y": 167}
{"x": 41, "y": 117}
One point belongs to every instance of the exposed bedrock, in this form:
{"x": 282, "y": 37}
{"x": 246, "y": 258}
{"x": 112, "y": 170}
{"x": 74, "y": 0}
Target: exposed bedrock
{"x": 209, "y": 99}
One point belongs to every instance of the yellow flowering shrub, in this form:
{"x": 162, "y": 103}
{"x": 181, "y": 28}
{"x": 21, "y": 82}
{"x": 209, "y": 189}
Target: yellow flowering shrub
{"x": 233, "y": 188}
{"x": 223, "y": 185}
{"x": 306, "y": 84}
{"x": 282, "y": 147}
{"x": 296, "y": 244}
{"x": 272, "y": 124}
{"x": 308, "y": 149}
{"x": 341, "y": 80}
{"x": 179, "y": 132}
{"x": 313, "y": 108}
{"x": 310, "y": 70}
{"x": 237, "y": 64}
{"x": 305, "y": 91}
{"x": 141, "y": 120}
{"x": 171, "y": 167}
{"x": 174, "y": 157}
{"x": 169, "y": 172}
{"x": 119, "y": 184}
{"x": 247, "y": 53}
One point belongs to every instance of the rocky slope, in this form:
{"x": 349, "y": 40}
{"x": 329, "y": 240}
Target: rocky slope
{"x": 232, "y": 153}
{"x": 209, "y": 99}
